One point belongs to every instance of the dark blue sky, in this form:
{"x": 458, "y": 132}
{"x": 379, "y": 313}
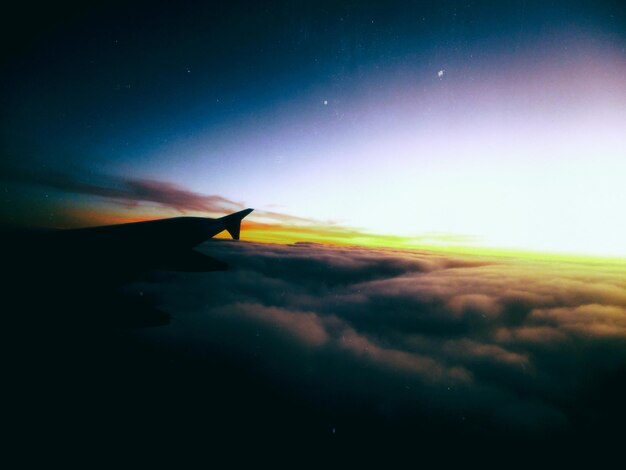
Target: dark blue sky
{"x": 117, "y": 81}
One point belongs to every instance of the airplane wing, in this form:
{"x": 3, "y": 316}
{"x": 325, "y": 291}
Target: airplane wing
{"x": 155, "y": 244}
{"x": 81, "y": 271}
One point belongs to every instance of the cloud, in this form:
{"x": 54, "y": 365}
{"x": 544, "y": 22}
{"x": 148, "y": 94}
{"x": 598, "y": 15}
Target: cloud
{"x": 128, "y": 191}
{"x": 507, "y": 343}
{"x": 305, "y": 327}
{"x": 592, "y": 320}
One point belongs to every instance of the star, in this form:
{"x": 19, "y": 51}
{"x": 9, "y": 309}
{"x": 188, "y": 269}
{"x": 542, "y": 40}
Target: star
{"x": 440, "y": 73}
{"x": 325, "y": 102}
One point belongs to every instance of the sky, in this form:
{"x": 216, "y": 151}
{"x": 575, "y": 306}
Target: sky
{"x": 467, "y": 124}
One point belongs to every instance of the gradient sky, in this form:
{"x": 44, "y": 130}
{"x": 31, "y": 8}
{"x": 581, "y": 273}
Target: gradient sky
{"x": 496, "y": 124}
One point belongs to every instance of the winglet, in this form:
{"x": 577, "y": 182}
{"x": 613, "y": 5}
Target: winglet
{"x": 233, "y": 222}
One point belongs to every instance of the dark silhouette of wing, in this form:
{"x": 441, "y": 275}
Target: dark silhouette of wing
{"x": 80, "y": 273}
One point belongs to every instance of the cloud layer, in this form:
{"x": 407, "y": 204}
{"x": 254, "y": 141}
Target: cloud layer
{"x": 493, "y": 343}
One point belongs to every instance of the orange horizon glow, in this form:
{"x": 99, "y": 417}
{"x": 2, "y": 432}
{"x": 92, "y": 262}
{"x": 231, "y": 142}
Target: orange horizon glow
{"x": 335, "y": 235}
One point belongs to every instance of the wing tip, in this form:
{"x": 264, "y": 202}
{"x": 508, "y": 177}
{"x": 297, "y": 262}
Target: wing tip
{"x": 233, "y": 222}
